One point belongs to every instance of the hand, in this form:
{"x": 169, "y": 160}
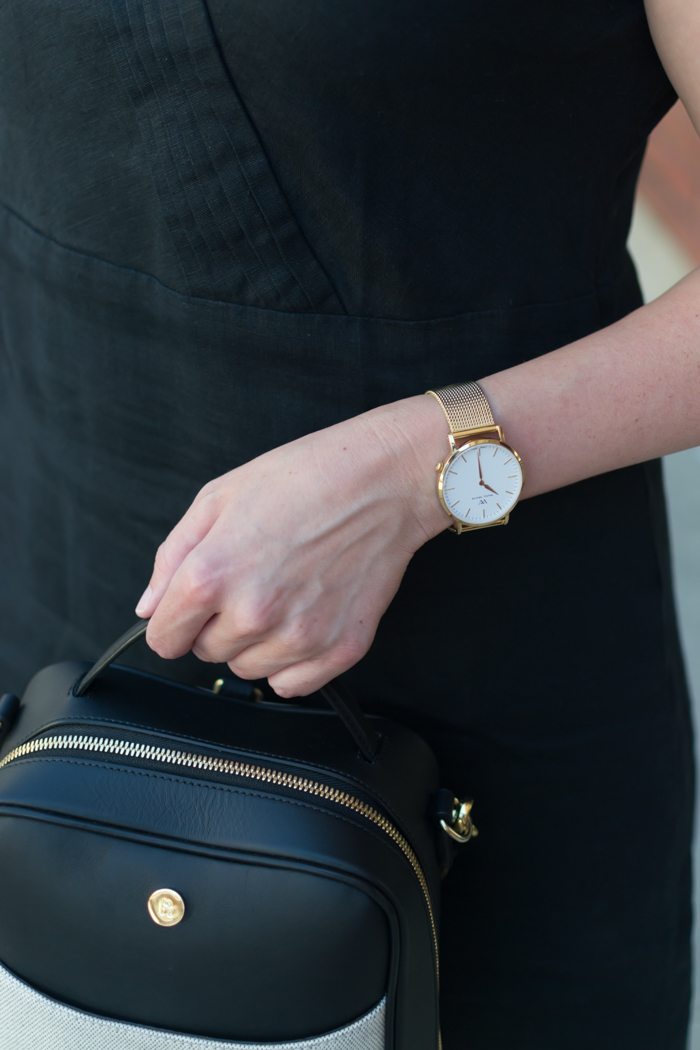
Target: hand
{"x": 283, "y": 567}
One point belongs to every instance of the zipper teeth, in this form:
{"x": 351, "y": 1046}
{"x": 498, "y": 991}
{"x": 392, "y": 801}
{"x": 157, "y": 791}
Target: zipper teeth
{"x": 148, "y": 752}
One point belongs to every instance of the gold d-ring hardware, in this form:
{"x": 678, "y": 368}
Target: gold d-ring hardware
{"x": 166, "y": 907}
{"x": 218, "y": 685}
{"x": 460, "y": 827}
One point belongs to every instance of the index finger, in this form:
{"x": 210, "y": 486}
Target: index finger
{"x": 187, "y": 534}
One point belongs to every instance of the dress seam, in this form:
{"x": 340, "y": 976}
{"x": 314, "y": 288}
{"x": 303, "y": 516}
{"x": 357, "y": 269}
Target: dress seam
{"x": 395, "y": 322}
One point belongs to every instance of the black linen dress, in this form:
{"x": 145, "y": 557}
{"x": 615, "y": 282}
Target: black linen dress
{"x": 227, "y": 224}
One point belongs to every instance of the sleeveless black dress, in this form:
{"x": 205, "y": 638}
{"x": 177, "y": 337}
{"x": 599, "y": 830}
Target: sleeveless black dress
{"x": 226, "y": 224}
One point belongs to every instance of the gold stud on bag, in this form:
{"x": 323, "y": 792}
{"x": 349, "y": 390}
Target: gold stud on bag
{"x": 481, "y": 480}
{"x": 166, "y": 907}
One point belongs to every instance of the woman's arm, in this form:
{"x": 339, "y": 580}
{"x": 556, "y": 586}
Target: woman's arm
{"x": 630, "y": 392}
{"x": 626, "y": 394}
{"x": 284, "y": 566}
{"x": 675, "y": 27}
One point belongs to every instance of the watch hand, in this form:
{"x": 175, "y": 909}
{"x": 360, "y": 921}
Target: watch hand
{"x": 489, "y": 488}
{"x": 478, "y": 459}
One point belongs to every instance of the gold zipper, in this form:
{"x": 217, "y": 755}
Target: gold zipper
{"x": 149, "y": 753}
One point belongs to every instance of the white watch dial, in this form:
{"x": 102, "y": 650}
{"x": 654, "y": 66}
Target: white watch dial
{"x": 482, "y": 482}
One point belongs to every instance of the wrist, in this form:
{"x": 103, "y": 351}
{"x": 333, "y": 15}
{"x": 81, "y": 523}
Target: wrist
{"x": 480, "y": 480}
{"x": 414, "y": 432}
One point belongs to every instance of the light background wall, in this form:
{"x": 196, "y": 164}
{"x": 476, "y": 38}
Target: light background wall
{"x": 661, "y": 260}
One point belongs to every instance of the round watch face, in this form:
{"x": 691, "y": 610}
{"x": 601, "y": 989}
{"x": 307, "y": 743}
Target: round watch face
{"x": 481, "y": 482}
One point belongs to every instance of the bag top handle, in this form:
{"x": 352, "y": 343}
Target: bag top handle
{"x": 335, "y": 693}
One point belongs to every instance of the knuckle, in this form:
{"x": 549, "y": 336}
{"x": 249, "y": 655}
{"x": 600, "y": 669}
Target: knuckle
{"x": 245, "y": 668}
{"x": 303, "y": 637}
{"x": 208, "y": 653}
{"x": 162, "y": 558}
{"x": 348, "y": 652}
{"x": 217, "y": 645}
{"x": 291, "y": 683}
{"x": 161, "y": 647}
{"x": 209, "y": 495}
{"x": 201, "y": 582}
{"x": 252, "y": 621}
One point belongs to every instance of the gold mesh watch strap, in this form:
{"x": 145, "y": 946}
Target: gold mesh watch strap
{"x": 465, "y": 405}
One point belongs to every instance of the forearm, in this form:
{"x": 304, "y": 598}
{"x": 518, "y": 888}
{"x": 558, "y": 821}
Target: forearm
{"x": 625, "y": 394}
{"x": 630, "y": 392}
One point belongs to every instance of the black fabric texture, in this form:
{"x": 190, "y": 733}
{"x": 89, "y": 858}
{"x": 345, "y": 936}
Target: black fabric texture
{"x": 225, "y": 226}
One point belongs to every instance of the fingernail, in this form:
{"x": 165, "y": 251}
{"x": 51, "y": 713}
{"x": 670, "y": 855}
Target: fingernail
{"x": 144, "y": 602}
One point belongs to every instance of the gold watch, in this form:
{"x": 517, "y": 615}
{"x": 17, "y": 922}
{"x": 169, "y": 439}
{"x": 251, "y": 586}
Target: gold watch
{"x": 482, "y": 478}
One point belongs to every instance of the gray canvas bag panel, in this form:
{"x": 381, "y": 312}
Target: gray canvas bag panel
{"x": 32, "y": 1021}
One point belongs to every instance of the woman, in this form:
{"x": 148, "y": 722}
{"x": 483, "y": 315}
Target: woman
{"x": 240, "y": 241}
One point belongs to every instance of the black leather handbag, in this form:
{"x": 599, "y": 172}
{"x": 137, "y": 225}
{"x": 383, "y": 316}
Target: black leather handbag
{"x": 187, "y": 870}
